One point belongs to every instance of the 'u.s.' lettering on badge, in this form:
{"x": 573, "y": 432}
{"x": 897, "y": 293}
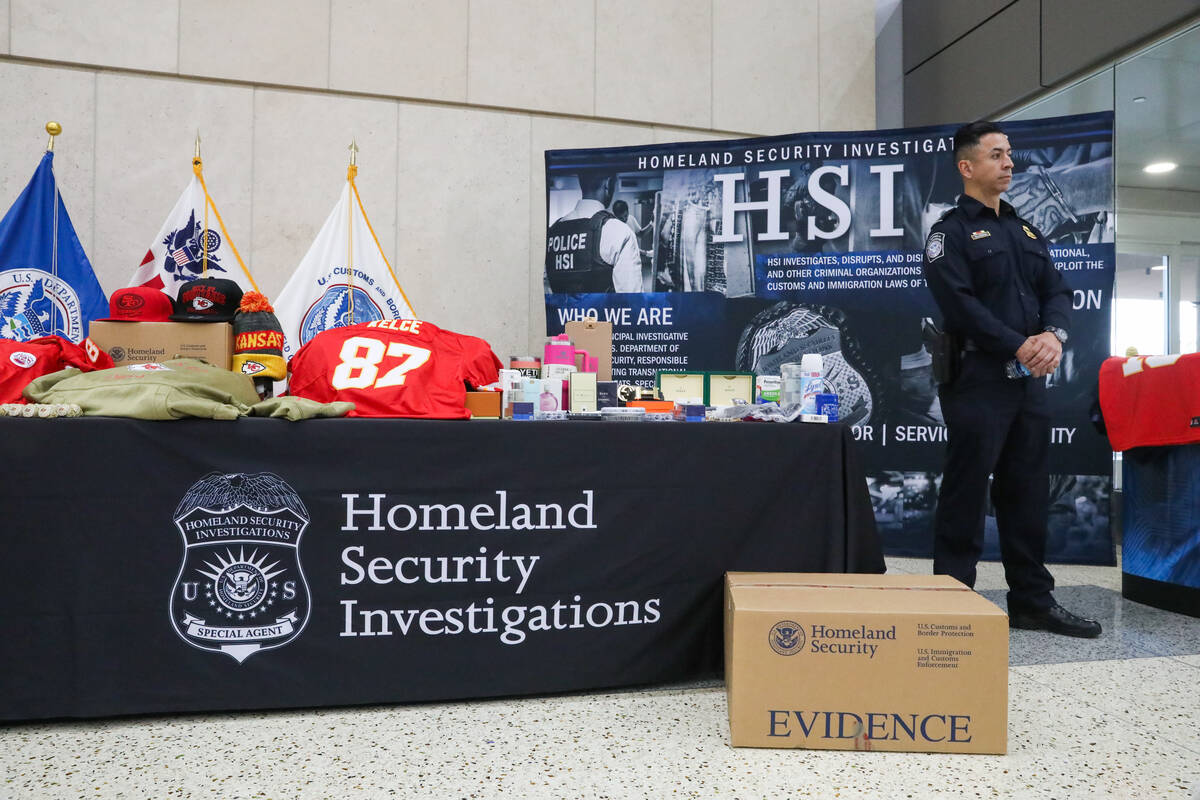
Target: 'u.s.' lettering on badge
{"x": 935, "y": 246}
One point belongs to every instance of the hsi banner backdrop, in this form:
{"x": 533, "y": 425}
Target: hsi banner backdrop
{"x": 756, "y": 251}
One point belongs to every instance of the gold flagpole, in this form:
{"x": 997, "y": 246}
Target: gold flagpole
{"x": 54, "y": 129}
{"x": 198, "y": 171}
{"x": 197, "y": 165}
{"x": 378, "y": 246}
{"x": 351, "y": 172}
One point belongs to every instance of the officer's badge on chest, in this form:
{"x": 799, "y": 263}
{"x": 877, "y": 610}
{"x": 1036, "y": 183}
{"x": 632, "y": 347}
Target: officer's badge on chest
{"x": 977, "y": 235}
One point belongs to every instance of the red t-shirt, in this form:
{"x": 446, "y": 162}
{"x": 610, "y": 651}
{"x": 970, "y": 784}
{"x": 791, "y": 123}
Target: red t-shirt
{"x": 1151, "y": 400}
{"x": 22, "y": 362}
{"x": 393, "y": 368}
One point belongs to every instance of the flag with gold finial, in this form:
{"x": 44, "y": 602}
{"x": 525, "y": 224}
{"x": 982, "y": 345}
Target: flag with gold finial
{"x": 47, "y": 285}
{"x": 192, "y": 243}
{"x": 343, "y": 279}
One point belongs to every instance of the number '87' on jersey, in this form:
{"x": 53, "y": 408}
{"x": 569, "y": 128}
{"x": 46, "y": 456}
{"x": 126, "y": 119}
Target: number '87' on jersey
{"x": 394, "y": 368}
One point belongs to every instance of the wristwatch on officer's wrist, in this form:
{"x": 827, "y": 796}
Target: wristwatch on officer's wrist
{"x": 1059, "y": 333}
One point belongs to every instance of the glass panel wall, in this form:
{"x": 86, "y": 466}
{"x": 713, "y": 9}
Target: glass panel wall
{"x": 1157, "y": 100}
{"x": 1155, "y": 95}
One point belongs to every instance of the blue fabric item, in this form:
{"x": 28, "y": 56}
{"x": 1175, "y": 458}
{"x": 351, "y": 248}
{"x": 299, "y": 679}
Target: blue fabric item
{"x": 39, "y": 297}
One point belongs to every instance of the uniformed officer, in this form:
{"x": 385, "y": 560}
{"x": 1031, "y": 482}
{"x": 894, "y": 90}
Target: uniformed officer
{"x": 590, "y": 250}
{"x": 992, "y": 277}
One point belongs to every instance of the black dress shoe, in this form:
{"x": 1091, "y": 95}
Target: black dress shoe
{"x": 1055, "y": 619}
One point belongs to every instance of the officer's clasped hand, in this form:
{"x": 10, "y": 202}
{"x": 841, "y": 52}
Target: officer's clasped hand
{"x": 1040, "y": 353}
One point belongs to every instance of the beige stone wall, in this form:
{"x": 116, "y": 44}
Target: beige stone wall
{"x": 452, "y": 103}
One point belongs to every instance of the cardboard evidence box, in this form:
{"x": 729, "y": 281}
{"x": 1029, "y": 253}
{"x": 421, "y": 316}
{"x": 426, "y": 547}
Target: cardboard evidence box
{"x": 864, "y": 662}
{"x": 143, "y": 342}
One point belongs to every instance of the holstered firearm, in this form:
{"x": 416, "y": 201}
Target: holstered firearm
{"x": 946, "y": 350}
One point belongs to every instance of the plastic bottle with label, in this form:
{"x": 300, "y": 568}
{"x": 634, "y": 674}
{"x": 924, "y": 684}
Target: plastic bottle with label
{"x": 812, "y": 382}
{"x": 790, "y": 389}
{"x": 1015, "y": 369}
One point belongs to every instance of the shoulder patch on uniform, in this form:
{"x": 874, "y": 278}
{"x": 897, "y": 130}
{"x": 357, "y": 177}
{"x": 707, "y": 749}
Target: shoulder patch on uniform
{"x": 935, "y": 246}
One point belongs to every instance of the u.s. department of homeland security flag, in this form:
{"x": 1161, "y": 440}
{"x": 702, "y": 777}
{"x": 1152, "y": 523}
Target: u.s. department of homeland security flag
{"x": 47, "y": 286}
{"x": 343, "y": 279}
{"x": 186, "y": 243}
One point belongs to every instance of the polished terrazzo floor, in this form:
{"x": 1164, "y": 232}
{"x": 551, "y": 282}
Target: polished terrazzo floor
{"x": 1117, "y": 717}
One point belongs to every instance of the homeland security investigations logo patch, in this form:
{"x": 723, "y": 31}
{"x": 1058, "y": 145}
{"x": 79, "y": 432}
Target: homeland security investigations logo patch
{"x": 240, "y": 588}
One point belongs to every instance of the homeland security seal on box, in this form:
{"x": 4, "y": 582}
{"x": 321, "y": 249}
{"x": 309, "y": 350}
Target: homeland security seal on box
{"x": 240, "y": 588}
{"x": 786, "y": 637}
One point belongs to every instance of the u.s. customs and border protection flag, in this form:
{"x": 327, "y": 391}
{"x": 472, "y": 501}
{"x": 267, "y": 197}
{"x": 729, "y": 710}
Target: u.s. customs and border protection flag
{"x": 47, "y": 286}
{"x": 343, "y": 279}
{"x": 193, "y": 243}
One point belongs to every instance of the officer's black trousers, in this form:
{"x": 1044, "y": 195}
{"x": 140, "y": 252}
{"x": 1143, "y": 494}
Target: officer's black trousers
{"x": 995, "y": 427}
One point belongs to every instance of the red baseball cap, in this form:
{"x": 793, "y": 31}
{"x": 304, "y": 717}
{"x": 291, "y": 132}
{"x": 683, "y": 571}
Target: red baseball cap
{"x": 138, "y": 304}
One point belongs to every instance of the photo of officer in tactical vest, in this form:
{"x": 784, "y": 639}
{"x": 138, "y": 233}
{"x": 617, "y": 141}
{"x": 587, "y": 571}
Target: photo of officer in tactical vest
{"x": 589, "y": 249}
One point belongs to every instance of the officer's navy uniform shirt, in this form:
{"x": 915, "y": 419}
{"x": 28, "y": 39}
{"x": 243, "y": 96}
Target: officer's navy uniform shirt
{"x": 993, "y": 278}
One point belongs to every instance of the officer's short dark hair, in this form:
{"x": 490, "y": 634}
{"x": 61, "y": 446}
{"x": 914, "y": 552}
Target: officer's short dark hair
{"x": 590, "y": 180}
{"x": 620, "y": 207}
{"x": 969, "y": 135}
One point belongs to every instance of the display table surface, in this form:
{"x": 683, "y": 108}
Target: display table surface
{"x": 200, "y": 565}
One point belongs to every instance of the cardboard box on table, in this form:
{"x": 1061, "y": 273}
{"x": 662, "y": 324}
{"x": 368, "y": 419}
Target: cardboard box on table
{"x": 595, "y": 337}
{"x": 483, "y": 405}
{"x": 144, "y": 342}
{"x": 868, "y": 662}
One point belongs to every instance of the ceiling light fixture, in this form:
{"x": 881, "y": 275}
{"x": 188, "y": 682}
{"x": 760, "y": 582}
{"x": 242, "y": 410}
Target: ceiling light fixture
{"x": 1159, "y": 268}
{"x": 1159, "y": 167}
{"x": 1140, "y": 99}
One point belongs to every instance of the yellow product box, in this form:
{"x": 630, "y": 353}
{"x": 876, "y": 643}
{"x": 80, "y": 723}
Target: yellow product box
{"x": 144, "y": 342}
{"x": 916, "y": 663}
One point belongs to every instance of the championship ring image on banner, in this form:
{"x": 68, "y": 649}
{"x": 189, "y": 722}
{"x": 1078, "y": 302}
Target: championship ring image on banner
{"x": 240, "y": 588}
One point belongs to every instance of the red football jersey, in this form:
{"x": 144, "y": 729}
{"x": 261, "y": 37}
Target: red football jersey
{"x": 22, "y": 362}
{"x": 1151, "y": 400}
{"x": 393, "y": 368}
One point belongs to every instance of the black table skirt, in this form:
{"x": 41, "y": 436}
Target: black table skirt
{"x": 200, "y": 565}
